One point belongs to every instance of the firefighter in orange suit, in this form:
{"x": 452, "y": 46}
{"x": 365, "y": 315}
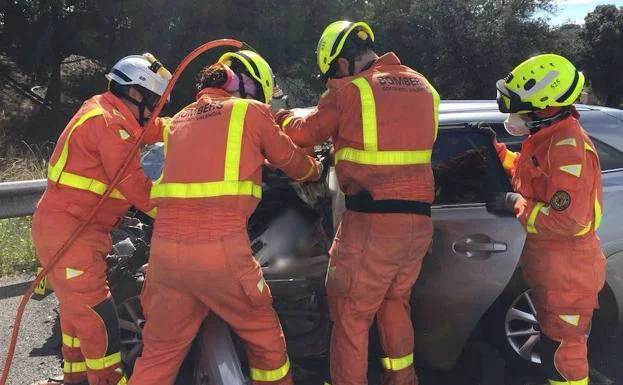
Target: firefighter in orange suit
{"x": 201, "y": 259}
{"x": 87, "y": 156}
{"x": 383, "y": 119}
{"x": 558, "y": 199}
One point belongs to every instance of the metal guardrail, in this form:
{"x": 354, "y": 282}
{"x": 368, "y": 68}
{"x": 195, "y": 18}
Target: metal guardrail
{"x": 18, "y": 199}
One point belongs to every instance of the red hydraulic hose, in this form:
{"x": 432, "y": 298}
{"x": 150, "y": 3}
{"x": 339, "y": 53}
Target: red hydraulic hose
{"x": 22, "y": 306}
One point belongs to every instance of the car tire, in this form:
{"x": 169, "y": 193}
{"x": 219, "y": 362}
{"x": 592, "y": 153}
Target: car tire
{"x": 131, "y": 322}
{"x": 498, "y": 321}
{"x": 126, "y": 294}
{"x": 516, "y": 296}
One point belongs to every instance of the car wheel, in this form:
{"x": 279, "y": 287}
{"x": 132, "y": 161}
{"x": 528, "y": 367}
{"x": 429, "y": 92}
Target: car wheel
{"x": 522, "y": 329}
{"x": 511, "y": 326}
{"x": 131, "y": 320}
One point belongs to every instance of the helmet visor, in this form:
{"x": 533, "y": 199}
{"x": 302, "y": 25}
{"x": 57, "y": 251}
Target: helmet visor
{"x": 509, "y": 101}
{"x": 503, "y": 96}
{"x": 150, "y": 98}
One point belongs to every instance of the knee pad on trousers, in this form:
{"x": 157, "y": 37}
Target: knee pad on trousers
{"x": 107, "y": 311}
{"x": 548, "y": 348}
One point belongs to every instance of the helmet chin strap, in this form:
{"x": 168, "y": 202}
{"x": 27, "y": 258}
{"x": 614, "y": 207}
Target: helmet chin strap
{"x": 241, "y": 90}
{"x": 537, "y": 123}
{"x": 352, "y": 63}
{"x": 351, "y": 67}
{"x": 142, "y": 105}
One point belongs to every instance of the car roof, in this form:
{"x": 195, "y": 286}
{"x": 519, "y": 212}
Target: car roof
{"x": 453, "y": 110}
{"x": 449, "y": 105}
{"x": 603, "y": 123}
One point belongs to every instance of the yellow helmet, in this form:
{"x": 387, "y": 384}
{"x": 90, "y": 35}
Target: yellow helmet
{"x": 540, "y": 82}
{"x": 333, "y": 38}
{"x": 256, "y": 67}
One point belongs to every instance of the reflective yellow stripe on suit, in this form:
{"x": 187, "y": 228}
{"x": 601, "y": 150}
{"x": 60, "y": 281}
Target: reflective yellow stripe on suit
{"x": 370, "y": 155}
{"x": 230, "y": 185}
{"x": 56, "y": 171}
{"x": 396, "y": 364}
{"x": 270, "y": 375}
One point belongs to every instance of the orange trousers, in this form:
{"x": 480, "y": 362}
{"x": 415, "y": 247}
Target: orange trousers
{"x": 375, "y": 260}
{"x": 565, "y": 277}
{"x": 188, "y": 279}
{"x": 89, "y": 322}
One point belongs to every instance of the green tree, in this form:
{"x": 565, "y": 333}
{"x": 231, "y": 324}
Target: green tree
{"x": 284, "y": 32}
{"x": 603, "y": 35}
{"x": 40, "y": 35}
{"x": 463, "y": 46}
{"x": 567, "y": 41}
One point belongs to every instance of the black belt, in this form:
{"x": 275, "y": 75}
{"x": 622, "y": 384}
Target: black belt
{"x": 364, "y": 203}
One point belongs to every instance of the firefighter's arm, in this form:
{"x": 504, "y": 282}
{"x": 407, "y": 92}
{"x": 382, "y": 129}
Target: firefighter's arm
{"x": 507, "y": 157}
{"x": 566, "y": 207}
{"x": 282, "y": 153}
{"x": 315, "y": 128}
{"x": 114, "y": 143}
{"x": 154, "y": 132}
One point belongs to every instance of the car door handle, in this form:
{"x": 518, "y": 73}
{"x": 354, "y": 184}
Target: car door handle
{"x": 468, "y": 245}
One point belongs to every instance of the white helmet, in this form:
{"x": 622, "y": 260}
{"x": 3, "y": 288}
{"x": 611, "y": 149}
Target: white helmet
{"x": 141, "y": 70}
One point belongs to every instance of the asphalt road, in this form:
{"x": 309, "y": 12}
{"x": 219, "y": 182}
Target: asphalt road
{"x": 36, "y": 357}
{"x": 37, "y": 346}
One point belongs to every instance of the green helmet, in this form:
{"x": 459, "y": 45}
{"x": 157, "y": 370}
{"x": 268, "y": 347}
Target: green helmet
{"x": 540, "y": 82}
{"x": 333, "y": 38}
{"x": 257, "y": 67}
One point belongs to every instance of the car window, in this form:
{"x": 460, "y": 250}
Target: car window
{"x": 609, "y": 157}
{"x": 607, "y": 127}
{"x": 466, "y": 168}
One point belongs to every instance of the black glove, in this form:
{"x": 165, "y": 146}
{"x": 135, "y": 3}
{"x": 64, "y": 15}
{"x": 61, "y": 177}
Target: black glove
{"x": 503, "y": 202}
{"x": 487, "y": 130}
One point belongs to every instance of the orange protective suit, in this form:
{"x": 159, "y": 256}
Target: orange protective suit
{"x": 383, "y": 122}
{"x": 201, "y": 259}
{"x": 559, "y": 177}
{"x": 88, "y": 154}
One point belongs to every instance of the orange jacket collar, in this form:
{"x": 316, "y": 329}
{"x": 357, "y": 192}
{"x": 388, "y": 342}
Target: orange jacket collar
{"x": 118, "y": 105}
{"x": 388, "y": 59}
{"x": 546, "y": 132}
{"x": 213, "y": 92}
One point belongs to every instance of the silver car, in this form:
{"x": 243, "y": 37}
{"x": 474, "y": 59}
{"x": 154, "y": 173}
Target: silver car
{"x": 471, "y": 285}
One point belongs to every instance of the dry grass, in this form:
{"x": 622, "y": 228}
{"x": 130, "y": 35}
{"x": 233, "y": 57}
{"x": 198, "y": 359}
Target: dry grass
{"x": 18, "y": 161}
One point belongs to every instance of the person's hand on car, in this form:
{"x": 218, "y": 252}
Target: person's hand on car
{"x": 503, "y": 203}
{"x": 488, "y": 131}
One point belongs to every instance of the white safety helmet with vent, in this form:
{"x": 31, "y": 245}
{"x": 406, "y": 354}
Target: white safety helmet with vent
{"x": 143, "y": 73}
{"x": 141, "y": 70}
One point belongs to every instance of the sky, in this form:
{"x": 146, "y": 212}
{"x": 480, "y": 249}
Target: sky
{"x": 576, "y": 10}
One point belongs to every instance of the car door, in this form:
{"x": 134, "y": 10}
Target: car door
{"x": 474, "y": 252}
